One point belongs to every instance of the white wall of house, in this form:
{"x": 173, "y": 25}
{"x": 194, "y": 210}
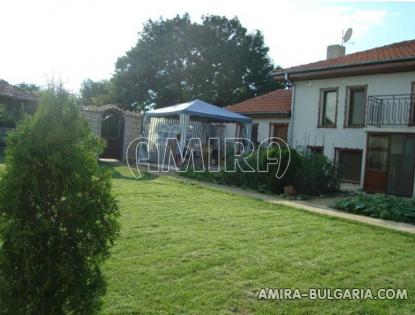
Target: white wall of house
{"x": 264, "y": 123}
{"x": 263, "y": 126}
{"x": 306, "y": 109}
{"x": 305, "y": 114}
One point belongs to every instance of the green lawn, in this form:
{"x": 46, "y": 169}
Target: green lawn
{"x": 185, "y": 249}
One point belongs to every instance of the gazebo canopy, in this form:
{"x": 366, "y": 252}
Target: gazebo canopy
{"x": 202, "y": 109}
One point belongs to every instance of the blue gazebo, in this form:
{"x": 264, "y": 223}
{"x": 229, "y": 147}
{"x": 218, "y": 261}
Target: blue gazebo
{"x": 194, "y": 119}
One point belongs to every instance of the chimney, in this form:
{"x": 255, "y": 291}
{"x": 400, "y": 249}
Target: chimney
{"x": 334, "y": 51}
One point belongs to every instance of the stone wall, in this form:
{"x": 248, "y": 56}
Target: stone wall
{"x": 94, "y": 119}
{"x": 132, "y": 123}
{"x": 132, "y": 130}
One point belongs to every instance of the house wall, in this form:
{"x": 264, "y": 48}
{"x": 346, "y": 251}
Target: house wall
{"x": 306, "y": 110}
{"x": 263, "y": 126}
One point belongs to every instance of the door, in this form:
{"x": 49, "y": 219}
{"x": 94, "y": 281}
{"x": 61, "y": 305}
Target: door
{"x": 279, "y": 131}
{"x": 377, "y": 163}
{"x": 112, "y": 128}
{"x": 401, "y": 165}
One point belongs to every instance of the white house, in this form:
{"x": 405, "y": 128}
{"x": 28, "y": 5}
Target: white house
{"x": 359, "y": 110}
{"x": 270, "y": 114}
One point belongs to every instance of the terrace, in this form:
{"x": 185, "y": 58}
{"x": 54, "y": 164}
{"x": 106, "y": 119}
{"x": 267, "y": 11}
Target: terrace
{"x": 391, "y": 110}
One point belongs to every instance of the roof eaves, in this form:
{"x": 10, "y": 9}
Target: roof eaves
{"x": 334, "y": 67}
{"x": 265, "y": 113}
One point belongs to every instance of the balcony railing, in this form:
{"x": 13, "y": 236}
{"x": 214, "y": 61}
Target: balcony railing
{"x": 391, "y": 110}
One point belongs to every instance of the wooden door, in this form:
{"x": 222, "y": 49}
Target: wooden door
{"x": 377, "y": 160}
{"x": 279, "y": 131}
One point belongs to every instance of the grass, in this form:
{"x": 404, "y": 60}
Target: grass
{"x": 185, "y": 249}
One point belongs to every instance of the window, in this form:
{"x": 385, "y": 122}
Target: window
{"x": 3, "y": 110}
{"x": 29, "y": 108}
{"x": 356, "y": 106}
{"x": 6, "y": 117}
{"x": 328, "y": 108}
{"x": 315, "y": 149}
{"x": 350, "y": 162}
{"x": 378, "y": 151}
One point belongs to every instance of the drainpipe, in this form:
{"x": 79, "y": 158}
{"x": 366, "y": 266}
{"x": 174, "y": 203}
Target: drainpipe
{"x": 292, "y": 85}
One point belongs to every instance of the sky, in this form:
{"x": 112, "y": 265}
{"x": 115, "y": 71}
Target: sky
{"x": 74, "y": 40}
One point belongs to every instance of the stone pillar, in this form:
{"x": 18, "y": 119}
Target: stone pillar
{"x": 132, "y": 130}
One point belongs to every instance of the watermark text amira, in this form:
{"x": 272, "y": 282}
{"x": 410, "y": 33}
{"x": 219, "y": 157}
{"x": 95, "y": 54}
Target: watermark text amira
{"x": 144, "y": 153}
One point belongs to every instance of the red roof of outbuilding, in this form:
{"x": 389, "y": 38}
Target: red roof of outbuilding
{"x": 9, "y": 90}
{"x": 278, "y": 101}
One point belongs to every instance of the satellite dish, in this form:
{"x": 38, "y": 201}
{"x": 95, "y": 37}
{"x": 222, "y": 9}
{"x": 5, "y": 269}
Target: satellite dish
{"x": 347, "y": 35}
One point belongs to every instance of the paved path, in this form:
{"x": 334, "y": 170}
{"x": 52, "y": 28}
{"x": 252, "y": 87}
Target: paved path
{"x": 303, "y": 205}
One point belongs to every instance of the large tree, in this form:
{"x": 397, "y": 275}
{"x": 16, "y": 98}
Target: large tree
{"x": 176, "y": 60}
{"x": 97, "y": 92}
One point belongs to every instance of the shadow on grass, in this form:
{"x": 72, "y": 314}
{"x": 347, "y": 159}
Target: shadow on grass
{"x": 117, "y": 170}
{"x": 120, "y": 171}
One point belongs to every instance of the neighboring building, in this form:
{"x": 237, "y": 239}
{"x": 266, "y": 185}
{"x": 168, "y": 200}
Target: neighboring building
{"x": 270, "y": 114}
{"x": 359, "y": 109}
{"x": 14, "y": 103}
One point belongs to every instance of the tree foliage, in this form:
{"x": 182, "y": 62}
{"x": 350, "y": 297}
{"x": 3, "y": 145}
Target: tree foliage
{"x": 59, "y": 214}
{"x": 29, "y": 87}
{"x": 176, "y": 60}
{"x": 97, "y": 93}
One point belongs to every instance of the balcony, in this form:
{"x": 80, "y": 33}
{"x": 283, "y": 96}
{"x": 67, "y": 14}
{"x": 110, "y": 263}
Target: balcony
{"x": 391, "y": 110}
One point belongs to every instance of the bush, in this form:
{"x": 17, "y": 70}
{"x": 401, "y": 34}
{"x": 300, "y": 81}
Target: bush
{"x": 59, "y": 215}
{"x": 267, "y": 181}
{"x": 380, "y": 206}
{"x": 311, "y": 175}
{"x": 204, "y": 176}
{"x": 317, "y": 175}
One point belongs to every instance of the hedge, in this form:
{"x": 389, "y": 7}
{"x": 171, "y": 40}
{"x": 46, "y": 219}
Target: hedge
{"x": 310, "y": 174}
{"x": 380, "y": 206}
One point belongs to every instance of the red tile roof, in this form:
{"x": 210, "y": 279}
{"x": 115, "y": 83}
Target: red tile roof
{"x": 390, "y": 53}
{"x": 278, "y": 101}
{"x": 9, "y": 90}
